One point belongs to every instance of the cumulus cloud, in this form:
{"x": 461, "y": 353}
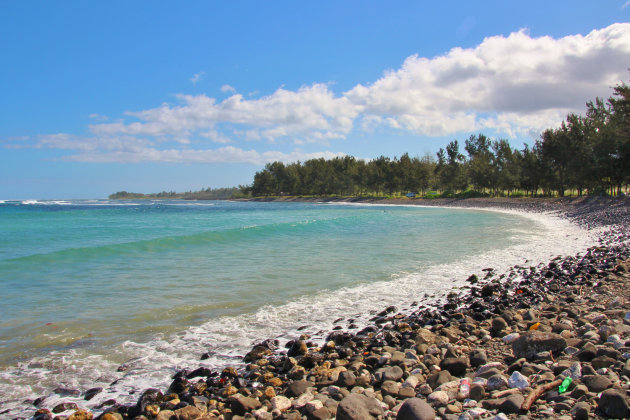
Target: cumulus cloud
{"x": 311, "y": 113}
{"x": 513, "y": 85}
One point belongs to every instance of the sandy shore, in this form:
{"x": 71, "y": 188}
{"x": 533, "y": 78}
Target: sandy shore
{"x": 512, "y": 336}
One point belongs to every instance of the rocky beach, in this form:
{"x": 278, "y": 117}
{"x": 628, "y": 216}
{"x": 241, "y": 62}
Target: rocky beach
{"x": 545, "y": 341}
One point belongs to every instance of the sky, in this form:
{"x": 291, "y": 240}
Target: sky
{"x": 145, "y": 96}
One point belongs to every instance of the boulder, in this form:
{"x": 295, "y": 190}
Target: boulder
{"x": 280, "y": 403}
{"x": 415, "y": 409}
{"x": 297, "y": 388}
{"x": 241, "y": 405}
{"x": 478, "y": 357}
{"x": 346, "y": 379}
{"x": 256, "y": 353}
{"x": 359, "y": 407}
{"x": 438, "y": 398}
{"x": 614, "y": 404}
{"x": 531, "y": 343}
{"x": 188, "y": 413}
{"x": 455, "y": 365}
{"x": 596, "y": 383}
{"x": 512, "y": 404}
{"x": 391, "y": 373}
{"x": 580, "y": 411}
{"x": 518, "y": 380}
{"x": 298, "y": 348}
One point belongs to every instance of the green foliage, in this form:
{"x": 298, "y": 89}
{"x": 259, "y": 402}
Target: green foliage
{"x": 471, "y": 194}
{"x": 207, "y": 194}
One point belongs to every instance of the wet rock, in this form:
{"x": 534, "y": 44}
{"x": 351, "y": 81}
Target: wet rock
{"x": 178, "y": 386}
{"x": 188, "y": 413}
{"x": 118, "y": 416}
{"x": 60, "y": 408}
{"x": 256, "y": 353}
{"x": 415, "y": 409}
{"x": 488, "y": 289}
{"x": 614, "y": 404}
{"x": 91, "y": 393}
{"x": 359, "y": 407}
{"x": 298, "y": 348}
{"x": 152, "y": 410}
{"x": 43, "y": 414}
{"x": 81, "y": 415}
{"x": 533, "y": 342}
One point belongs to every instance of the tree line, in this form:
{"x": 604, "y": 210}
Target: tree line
{"x": 203, "y": 194}
{"x": 587, "y": 154}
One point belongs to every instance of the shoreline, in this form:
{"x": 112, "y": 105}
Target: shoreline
{"x": 220, "y": 399}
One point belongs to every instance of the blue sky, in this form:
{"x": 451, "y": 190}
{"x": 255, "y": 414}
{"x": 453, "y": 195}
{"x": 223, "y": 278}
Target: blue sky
{"x": 145, "y": 96}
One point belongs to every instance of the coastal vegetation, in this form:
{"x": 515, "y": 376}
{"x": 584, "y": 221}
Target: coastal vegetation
{"x": 587, "y": 154}
{"x": 207, "y": 194}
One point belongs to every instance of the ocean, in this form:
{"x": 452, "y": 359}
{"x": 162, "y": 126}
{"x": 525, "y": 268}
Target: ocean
{"x": 123, "y": 294}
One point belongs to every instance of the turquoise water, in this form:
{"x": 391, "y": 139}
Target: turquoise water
{"x": 88, "y": 285}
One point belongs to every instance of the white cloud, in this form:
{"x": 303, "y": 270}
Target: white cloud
{"x": 227, "y": 89}
{"x": 506, "y": 83}
{"x": 197, "y": 77}
{"x": 514, "y": 85}
{"x": 311, "y": 113}
{"x": 216, "y": 137}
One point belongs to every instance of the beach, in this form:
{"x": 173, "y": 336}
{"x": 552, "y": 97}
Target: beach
{"x": 511, "y": 332}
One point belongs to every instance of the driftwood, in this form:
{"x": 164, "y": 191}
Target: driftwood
{"x": 502, "y": 394}
{"x": 536, "y": 393}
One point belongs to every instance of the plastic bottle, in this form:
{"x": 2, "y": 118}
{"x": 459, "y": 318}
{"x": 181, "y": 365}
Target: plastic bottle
{"x": 565, "y": 384}
{"x": 464, "y": 387}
